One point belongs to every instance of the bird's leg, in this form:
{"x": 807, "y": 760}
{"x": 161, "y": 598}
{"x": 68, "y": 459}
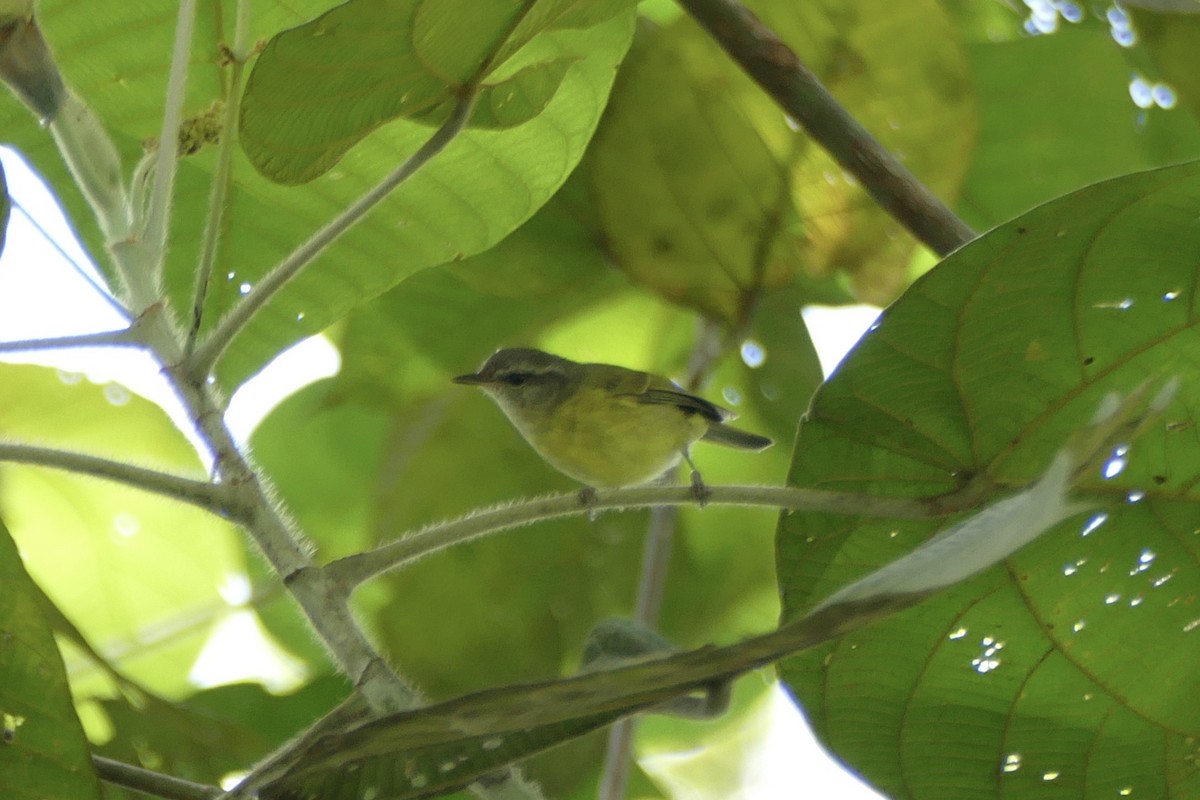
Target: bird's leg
{"x": 699, "y": 490}
{"x": 587, "y": 499}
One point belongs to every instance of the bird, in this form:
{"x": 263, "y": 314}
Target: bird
{"x": 606, "y": 426}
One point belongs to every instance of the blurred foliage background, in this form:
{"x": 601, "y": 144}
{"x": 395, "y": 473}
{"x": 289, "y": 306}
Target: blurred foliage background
{"x": 648, "y": 198}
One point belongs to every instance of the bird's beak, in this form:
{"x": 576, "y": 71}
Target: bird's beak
{"x": 474, "y": 379}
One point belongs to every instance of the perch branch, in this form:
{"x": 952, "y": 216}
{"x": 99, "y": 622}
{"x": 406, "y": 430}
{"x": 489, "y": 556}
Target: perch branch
{"x": 354, "y": 569}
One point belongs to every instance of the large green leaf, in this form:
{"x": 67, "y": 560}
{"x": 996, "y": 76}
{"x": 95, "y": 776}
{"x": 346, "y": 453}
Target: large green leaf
{"x": 43, "y": 752}
{"x": 215, "y": 731}
{"x": 138, "y": 574}
{"x": 1171, "y": 41}
{"x": 1067, "y": 672}
{"x": 711, "y": 197}
{"x": 477, "y": 191}
{"x": 1036, "y": 143}
{"x": 321, "y": 87}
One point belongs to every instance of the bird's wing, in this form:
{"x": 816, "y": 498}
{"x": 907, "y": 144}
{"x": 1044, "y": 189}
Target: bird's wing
{"x": 685, "y": 401}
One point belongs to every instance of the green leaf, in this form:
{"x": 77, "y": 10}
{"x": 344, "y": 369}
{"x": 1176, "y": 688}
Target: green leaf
{"x": 1076, "y": 648}
{"x": 318, "y": 89}
{"x": 1171, "y": 41}
{"x": 513, "y": 101}
{"x": 215, "y": 731}
{"x": 709, "y": 196}
{"x": 476, "y": 192}
{"x": 139, "y": 565}
{"x": 1036, "y": 143}
{"x": 43, "y": 752}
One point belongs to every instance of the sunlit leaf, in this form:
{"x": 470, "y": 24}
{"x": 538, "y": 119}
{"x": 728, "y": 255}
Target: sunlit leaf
{"x": 631, "y": 669}
{"x": 43, "y": 752}
{"x": 470, "y": 197}
{"x": 1018, "y": 679}
{"x": 321, "y": 87}
{"x": 138, "y": 573}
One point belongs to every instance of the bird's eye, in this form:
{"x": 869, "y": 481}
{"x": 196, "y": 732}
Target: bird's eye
{"x": 515, "y": 378}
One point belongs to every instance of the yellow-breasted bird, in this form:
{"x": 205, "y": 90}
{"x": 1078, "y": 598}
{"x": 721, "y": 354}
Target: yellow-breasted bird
{"x": 604, "y": 425}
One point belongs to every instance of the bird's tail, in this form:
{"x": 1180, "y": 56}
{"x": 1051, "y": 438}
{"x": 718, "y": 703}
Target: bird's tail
{"x": 732, "y": 437}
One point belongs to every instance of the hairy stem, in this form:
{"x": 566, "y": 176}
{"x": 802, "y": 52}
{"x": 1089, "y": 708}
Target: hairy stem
{"x": 122, "y": 338}
{"x": 210, "y": 497}
{"x": 221, "y": 175}
{"x": 158, "y": 213}
{"x": 284, "y": 547}
{"x": 354, "y": 569}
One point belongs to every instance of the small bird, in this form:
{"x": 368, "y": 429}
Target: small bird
{"x": 603, "y": 425}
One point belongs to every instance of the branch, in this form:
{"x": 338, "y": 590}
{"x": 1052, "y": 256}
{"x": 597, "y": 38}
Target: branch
{"x": 359, "y": 567}
{"x": 158, "y": 214}
{"x": 125, "y": 337}
{"x": 221, "y": 173}
{"x": 283, "y": 545}
{"x": 210, "y": 350}
{"x": 781, "y": 74}
{"x": 149, "y": 782}
{"x": 209, "y": 496}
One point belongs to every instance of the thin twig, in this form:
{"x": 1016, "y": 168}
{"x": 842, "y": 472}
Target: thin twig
{"x": 781, "y": 74}
{"x": 354, "y": 569}
{"x": 158, "y": 214}
{"x": 127, "y": 776}
{"x": 209, "y": 496}
{"x": 221, "y": 176}
{"x": 209, "y": 350}
{"x": 121, "y": 338}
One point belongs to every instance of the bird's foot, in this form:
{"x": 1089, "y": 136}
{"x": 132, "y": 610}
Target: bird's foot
{"x": 587, "y": 499}
{"x": 699, "y": 490}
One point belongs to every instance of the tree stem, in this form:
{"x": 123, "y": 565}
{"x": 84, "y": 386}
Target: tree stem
{"x": 211, "y": 497}
{"x": 221, "y": 176}
{"x": 359, "y": 567}
{"x": 154, "y": 233}
{"x": 127, "y": 776}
